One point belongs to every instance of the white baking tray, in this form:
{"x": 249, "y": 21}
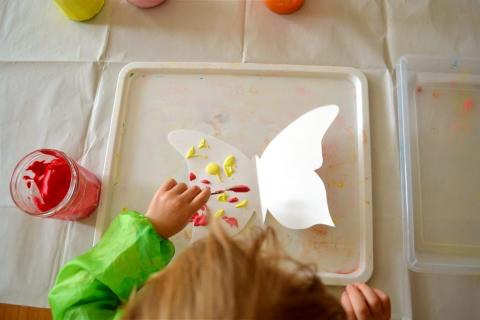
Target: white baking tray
{"x": 246, "y": 105}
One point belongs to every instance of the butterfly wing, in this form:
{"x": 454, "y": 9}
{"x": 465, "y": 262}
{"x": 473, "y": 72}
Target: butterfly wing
{"x": 201, "y": 150}
{"x": 290, "y": 189}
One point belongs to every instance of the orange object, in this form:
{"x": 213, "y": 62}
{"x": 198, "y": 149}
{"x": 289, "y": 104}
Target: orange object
{"x": 283, "y": 6}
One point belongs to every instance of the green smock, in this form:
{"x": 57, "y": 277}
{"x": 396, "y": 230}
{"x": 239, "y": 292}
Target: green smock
{"x": 95, "y": 284}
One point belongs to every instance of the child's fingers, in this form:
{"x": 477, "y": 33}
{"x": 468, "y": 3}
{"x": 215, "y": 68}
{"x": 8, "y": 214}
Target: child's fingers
{"x": 385, "y": 302}
{"x": 190, "y": 194}
{"x": 167, "y": 185}
{"x": 373, "y": 301}
{"x": 358, "y": 302}
{"x": 179, "y": 188}
{"x": 347, "y": 306}
{"x": 200, "y": 199}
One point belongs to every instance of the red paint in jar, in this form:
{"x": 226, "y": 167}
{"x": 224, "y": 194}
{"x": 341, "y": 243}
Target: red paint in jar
{"x": 47, "y": 183}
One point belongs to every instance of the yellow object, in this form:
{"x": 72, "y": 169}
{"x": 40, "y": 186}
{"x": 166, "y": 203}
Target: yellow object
{"x": 203, "y": 144}
{"x": 219, "y": 213}
{"x": 80, "y": 10}
{"x": 213, "y": 169}
{"x": 229, "y": 165}
{"x": 190, "y": 153}
{"x": 242, "y": 204}
{"x": 223, "y": 197}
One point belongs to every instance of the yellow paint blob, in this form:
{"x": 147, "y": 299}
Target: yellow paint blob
{"x": 219, "y": 213}
{"x": 223, "y": 197}
{"x": 213, "y": 169}
{"x": 229, "y": 165}
{"x": 191, "y": 153}
{"x": 203, "y": 144}
{"x": 242, "y": 204}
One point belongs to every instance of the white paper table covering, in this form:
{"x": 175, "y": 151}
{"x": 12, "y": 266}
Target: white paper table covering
{"x": 80, "y": 64}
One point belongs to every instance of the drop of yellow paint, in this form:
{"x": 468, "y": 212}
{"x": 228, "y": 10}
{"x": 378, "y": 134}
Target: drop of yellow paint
{"x": 213, "y": 169}
{"x": 229, "y": 165}
{"x": 242, "y": 204}
{"x": 191, "y": 153}
{"x": 203, "y": 144}
{"x": 219, "y": 213}
{"x": 223, "y": 197}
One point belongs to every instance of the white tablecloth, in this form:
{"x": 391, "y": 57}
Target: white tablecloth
{"x": 57, "y": 82}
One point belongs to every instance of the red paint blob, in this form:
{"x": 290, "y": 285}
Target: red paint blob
{"x": 52, "y": 180}
{"x": 231, "y": 221}
{"x": 199, "y": 220}
{"x": 419, "y": 89}
{"x": 239, "y": 188}
{"x": 205, "y": 181}
{"x": 192, "y": 176}
{"x": 233, "y": 200}
{"x": 193, "y": 216}
{"x": 468, "y": 104}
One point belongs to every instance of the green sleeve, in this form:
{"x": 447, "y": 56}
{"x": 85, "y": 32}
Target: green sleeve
{"x": 95, "y": 284}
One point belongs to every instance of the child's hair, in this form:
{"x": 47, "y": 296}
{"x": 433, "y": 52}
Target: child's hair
{"x": 224, "y": 278}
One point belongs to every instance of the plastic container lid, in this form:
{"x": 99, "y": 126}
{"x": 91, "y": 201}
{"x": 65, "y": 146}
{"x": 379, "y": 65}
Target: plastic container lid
{"x": 439, "y": 134}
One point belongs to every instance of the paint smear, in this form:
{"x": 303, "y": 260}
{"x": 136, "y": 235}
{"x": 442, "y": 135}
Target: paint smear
{"x": 223, "y": 197}
{"x": 348, "y": 271}
{"x": 239, "y": 188}
{"x": 233, "y": 200}
{"x": 203, "y": 144}
{"x": 242, "y": 204}
{"x": 199, "y": 220}
{"x": 213, "y": 169}
{"x": 205, "y": 181}
{"x": 468, "y": 104}
{"x": 418, "y": 89}
{"x": 229, "y": 165}
{"x": 191, "y": 153}
{"x": 192, "y": 176}
{"x": 220, "y": 213}
{"x": 231, "y": 221}
{"x": 301, "y": 91}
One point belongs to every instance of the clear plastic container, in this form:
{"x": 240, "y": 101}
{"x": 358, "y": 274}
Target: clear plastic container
{"x": 47, "y": 183}
{"x": 439, "y": 135}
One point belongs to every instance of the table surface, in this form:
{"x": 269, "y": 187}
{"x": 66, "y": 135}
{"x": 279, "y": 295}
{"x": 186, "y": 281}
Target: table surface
{"x": 80, "y": 62}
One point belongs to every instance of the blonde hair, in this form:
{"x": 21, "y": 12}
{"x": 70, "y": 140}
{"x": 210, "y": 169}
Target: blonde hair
{"x": 224, "y": 278}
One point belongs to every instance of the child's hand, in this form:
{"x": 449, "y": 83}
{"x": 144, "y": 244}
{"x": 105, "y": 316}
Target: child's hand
{"x": 361, "y": 302}
{"x": 173, "y": 205}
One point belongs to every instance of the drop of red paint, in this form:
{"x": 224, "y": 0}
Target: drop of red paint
{"x": 233, "y": 200}
{"x": 192, "y": 176}
{"x": 205, "y": 181}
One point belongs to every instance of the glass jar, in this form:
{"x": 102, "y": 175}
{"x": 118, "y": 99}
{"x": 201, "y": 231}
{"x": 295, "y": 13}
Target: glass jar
{"x": 47, "y": 183}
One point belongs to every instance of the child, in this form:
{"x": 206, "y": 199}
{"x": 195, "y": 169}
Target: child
{"x": 218, "y": 277}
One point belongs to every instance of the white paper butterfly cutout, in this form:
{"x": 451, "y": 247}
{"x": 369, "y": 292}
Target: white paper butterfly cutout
{"x": 282, "y": 181}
